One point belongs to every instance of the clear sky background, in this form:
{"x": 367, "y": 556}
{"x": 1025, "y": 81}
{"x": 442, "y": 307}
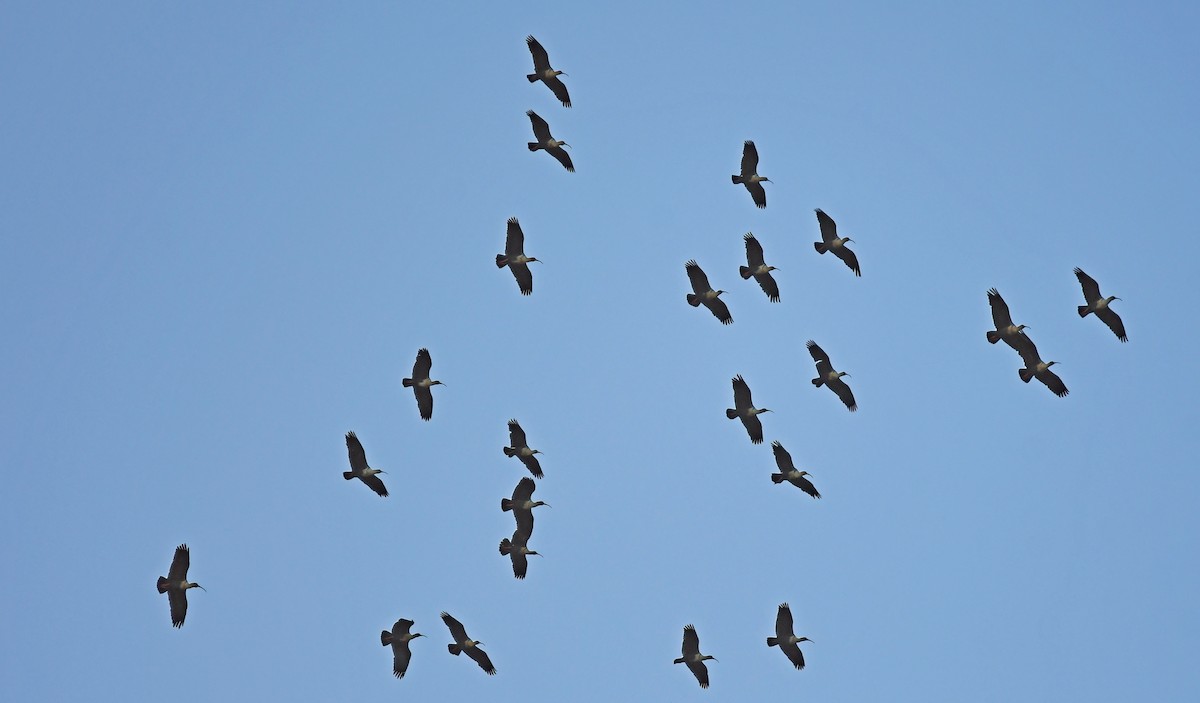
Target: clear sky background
{"x": 225, "y": 230}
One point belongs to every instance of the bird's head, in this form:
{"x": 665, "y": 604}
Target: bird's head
{"x": 804, "y": 639}
{"x": 436, "y": 383}
{"x": 720, "y": 292}
{"x": 532, "y": 259}
{"x": 537, "y": 451}
{"x": 1111, "y": 298}
{"x": 541, "y": 502}
{"x": 805, "y": 473}
{"x": 709, "y": 656}
{"x": 765, "y": 410}
{"x": 1052, "y": 363}
{"x": 196, "y": 585}
{"x": 564, "y": 144}
{"x": 560, "y": 73}
{"x": 843, "y": 373}
{"x": 1022, "y": 327}
{"x": 772, "y": 268}
{"x": 415, "y": 635}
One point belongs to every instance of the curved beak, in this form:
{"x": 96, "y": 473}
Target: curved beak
{"x": 202, "y": 588}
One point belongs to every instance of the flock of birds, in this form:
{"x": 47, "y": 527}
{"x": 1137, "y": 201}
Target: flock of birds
{"x": 175, "y": 584}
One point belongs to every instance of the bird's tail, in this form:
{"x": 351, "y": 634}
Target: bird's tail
{"x": 505, "y": 504}
{"x": 1025, "y": 374}
{"x": 993, "y": 336}
{"x": 385, "y": 637}
{"x": 745, "y": 271}
{"x": 406, "y": 382}
{"x": 681, "y": 659}
{"x": 510, "y": 451}
{"x": 775, "y": 478}
{"x": 693, "y": 300}
{"x": 532, "y": 77}
{"x": 162, "y": 584}
{"x": 772, "y": 641}
{"x": 821, "y": 247}
{"x": 347, "y": 475}
{"x": 1083, "y": 310}
{"x": 454, "y": 649}
{"x": 818, "y": 382}
{"x": 533, "y": 146}
{"x": 730, "y": 413}
{"x": 737, "y": 179}
{"x": 505, "y": 547}
{"x": 501, "y": 261}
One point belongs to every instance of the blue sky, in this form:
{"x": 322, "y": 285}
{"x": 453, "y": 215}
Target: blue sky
{"x": 228, "y": 229}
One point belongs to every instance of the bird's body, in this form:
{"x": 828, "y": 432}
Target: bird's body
{"x": 1036, "y": 368}
{"x": 517, "y": 549}
{"x": 1098, "y": 304}
{"x": 830, "y": 241}
{"x": 788, "y": 471}
{"x": 544, "y": 73}
{"x": 360, "y": 469}
{"x": 744, "y": 409}
{"x": 749, "y": 175}
{"x": 514, "y": 257}
{"x": 546, "y": 141}
{"x": 519, "y": 447}
{"x": 421, "y": 383}
{"x": 785, "y": 638}
{"x": 462, "y": 643}
{"x": 522, "y": 504}
{"x": 398, "y": 639}
{"x": 703, "y": 293}
{"x": 176, "y": 585}
{"x": 692, "y": 656}
{"x": 1012, "y": 334}
{"x": 757, "y": 267}
{"x": 830, "y": 378}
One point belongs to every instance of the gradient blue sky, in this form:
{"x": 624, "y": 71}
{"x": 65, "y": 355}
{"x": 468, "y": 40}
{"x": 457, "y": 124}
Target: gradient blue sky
{"x": 227, "y": 229}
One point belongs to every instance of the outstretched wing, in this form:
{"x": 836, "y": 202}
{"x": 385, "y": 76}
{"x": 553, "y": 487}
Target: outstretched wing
{"x": 541, "y": 129}
{"x": 843, "y": 392}
{"x": 531, "y": 463}
{"x": 563, "y": 157}
{"x": 514, "y": 240}
{"x": 749, "y": 159}
{"x": 524, "y": 490}
{"x": 178, "y": 600}
{"x": 424, "y": 401}
{"x": 376, "y": 484}
{"x": 1113, "y": 320}
{"x": 760, "y": 199}
{"x": 754, "y": 251}
{"x": 358, "y": 457}
{"x": 516, "y": 435}
{"x": 1091, "y": 289}
{"x": 753, "y": 428}
{"x": 457, "y": 631}
{"x": 179, "y": 565}
{"x": 481, "y": 658}
{"x": 696, "y": 276}
{"x": 700, "y": 671}
{"x": 524, "y": 522}
{"x": 818, "y": 354}
{"x": 1000, "y": 317}
{"x": 848, "y": 258}
{"x": 794, "y": 655}
{"x": 741, "y": 393}
{"x": 524, "y": 277}
{"x": 783, "y": 622}
{"x": 828, "y": 226}
{"x": 783, "y": 459}
{"x": 719, "y": 310}
{"x": 541, "y": 61}
{"x": 560, "y": 90}
{"x": 767, "y": 282}
{"x": 422, "y": 365}
{"x": 691, "y": 641}
{"x": 1053, "y": 382}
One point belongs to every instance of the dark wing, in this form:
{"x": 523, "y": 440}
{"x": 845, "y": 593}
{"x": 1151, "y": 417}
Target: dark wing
{"x": 531, "y": 463}
{"x": 1113, "y": 320}
{"x": 699, "y": 281}
{"x": 1021, "y": 344}
{"x": 401, "y": 627}
{"x": 760, "y": 199}
{"x": 423, "y": 364}
{"x": 749, "y": 159}
{"x": 848, "y": 258}
{"x": 560, "y": 90}
{"x": 178, "y": 600}
{"x": 719, "y": 310}
{"x": 457, "y": 631}
{"x": 700, "y": 671}
{"x": 767, "y": 282}
{"x": 524, "y": 522}
{"x": 516, "y": 436}
{"x": 519, "y": 561}
{"x": 828, "y": 226}
{"x": 514, "y": 240}
{"x": 401, "y": 656}
{"x": 1000, "y": 317}
{"x": 818, "y": 354}
{"x": 783, "y": 622}
{"x": 807, "y": 486}
{"x": 794, "y": 654}
{"x": 1029, "y": 354}
{"x": 563, "y": 157}
{"x": 741, "y": 393}
{"x": 843, "y": 392}
{"x": 525, "y": 488}
{"x": 541, "y": 130}
{"x": 1053, "y": 382}
{"x": 541, "y": 61}
{"x": 783, "y": 459}
{"x": 424, "y": 401}
{"x": 179, "y": 567}
{"x": 691, "y": 641}
{"x": 481, "y": 658}
{"x": 524, "y": 277}
{"x": 753, "y": 428}
{"x": 754, "y": 251}
{"x": 1091, "y": 289}
{"x": 358, "y": 457}
{"x": 375, "y": 483}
